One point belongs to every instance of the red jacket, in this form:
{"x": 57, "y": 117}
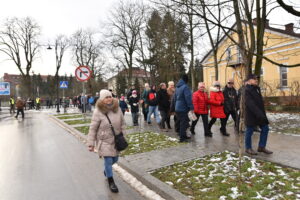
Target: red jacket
{"x": 216, "y": 102}
{"x": 200, "y": 101}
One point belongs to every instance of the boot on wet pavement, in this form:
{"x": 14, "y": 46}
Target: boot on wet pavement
{"x": 112, "y": 185}
{"x": 251, "y": 152}
{"x": 264, "y": 150}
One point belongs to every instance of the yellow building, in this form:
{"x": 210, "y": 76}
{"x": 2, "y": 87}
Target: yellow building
{"x": 282, "y": 46}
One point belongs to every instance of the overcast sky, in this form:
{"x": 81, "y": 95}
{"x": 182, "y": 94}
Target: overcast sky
{"x": 65, "y": 17}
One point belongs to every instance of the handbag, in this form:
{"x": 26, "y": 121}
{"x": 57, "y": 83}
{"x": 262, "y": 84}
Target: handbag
{"x": 120, "y": 141}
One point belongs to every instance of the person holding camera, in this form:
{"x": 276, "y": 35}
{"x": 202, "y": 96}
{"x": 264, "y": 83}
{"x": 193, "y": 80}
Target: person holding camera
{"x": 106, "y": 115}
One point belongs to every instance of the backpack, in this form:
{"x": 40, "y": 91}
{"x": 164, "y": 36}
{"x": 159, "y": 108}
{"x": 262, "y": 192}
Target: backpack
{"x": 152, "y": 99}
{"x": 151, "y": 96}
{"x": 91, "y": 100}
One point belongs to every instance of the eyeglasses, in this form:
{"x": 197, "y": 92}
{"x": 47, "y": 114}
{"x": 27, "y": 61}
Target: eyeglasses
{"x": 230, "y": 83}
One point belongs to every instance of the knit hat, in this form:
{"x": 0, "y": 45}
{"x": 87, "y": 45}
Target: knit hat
{"x": 104, "y": 93}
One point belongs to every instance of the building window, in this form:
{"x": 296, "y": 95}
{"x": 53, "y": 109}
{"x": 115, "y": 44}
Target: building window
{"x": 228, "y": 53}
{"x": 283, "y": 77}
{"x": 239, "y": 54}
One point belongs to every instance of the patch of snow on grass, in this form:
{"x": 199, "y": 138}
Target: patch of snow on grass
{"x": 235, "y": 194}
{"x": 169, "y": 183}
{"x": 222, "y": 198}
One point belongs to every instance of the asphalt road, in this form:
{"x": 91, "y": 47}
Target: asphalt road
{"x": 39, "y": 161}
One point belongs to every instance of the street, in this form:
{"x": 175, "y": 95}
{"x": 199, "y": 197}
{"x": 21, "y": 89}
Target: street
{"x": 40, "y": 160}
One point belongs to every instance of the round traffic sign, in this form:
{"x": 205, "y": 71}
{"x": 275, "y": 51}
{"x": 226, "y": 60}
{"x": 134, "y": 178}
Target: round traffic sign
{"x": 83, "y": 73}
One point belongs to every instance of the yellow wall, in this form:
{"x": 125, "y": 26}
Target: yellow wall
{"x": 279, "y": 47}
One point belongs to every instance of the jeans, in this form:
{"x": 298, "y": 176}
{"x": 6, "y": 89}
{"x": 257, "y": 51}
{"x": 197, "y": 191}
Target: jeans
{"x": 153, "y": 109}
{"x": 262, "y": 139}
{"x": 204, "y": 121}
{"x": 183, "y": 119}
{"x": 135, "y": 116}
{"x": 108, "y": 162}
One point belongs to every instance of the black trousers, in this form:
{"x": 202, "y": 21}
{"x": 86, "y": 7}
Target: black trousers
{"x": 183, "y": 119}
{"x": 204, "y": 121}
{"x": 165, "y": 118}
{"x": 22, "y": 112}
{"x": 234, "y": 117}
{"x": 223, "y": 124}
{"x": 145, "y": 112}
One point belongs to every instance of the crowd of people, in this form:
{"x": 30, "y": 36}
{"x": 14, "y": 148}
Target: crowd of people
{"x": 187, "y": 107}
{"x": 178, "y": 101}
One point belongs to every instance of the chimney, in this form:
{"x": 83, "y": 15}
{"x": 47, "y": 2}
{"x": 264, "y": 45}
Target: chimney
{"x": 254, "y": 21}
{"x": 289, "y": 27}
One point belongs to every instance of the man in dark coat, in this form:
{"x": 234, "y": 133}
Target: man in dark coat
{"x": 255, "y": 116}
{"x": 183, "y": 105}
{"x": 163, "y": 105}
{"x": 230, "y": 104}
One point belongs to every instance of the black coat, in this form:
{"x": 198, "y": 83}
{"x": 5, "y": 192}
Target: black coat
{"x": 154, "y": 101}
{"x": 254, "y": 107}
{"x": 230, "y": 100}
{"x": 163, "y": 100}
{"x": 134, "y": 104}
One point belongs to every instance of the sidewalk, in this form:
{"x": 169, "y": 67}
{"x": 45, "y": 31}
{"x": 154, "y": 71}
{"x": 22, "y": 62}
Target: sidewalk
{"x": 286, "y": 152}
{"x": 285, "y": 147}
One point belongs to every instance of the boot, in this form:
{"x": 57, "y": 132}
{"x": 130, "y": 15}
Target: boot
{"x": 112, "y": 185}
{"x": 224, "y": 132}
{"x": 264, "y": 150}
{"x": 251, "y": 152}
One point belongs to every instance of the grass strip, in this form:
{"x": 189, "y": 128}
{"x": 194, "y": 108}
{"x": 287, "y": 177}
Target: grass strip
{"x": 217, "y": 177}
{"x": 81, "y": 121}
{"x": 83, "y": 129}
{"x": 147, "y": 141}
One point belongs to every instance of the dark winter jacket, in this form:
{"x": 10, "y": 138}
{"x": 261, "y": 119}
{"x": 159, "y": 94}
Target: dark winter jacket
{"x": 230, "y": 100}
{"x": 134, "y": 104}
{"x": 183, "y": 97}
{"x": 200, "y": 102}
{"x": 123, "y": 105}
{"x": 255, "y": 110}
{"x": 152, "y": 101}
{"x": 163, "y": 100}
{"x": 216, "y": 101}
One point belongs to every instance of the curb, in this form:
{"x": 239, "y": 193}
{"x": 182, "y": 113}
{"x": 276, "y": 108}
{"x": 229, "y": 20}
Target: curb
{"x": 70, "y": 129}
{"x": 145, "y": 178}
{"x": 151, "y": 182}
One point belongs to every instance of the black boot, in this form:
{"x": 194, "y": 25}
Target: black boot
{"x": 112, "y": 185}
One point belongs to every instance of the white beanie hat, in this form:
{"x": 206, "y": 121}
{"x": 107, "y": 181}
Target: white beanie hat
{"x": 104, "y": 93}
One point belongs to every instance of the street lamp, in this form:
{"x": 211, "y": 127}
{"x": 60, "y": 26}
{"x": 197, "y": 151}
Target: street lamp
{"x": 57, "y": 85}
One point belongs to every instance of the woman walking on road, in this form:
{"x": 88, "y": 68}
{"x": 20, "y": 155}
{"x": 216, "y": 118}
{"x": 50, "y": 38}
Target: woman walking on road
{"x": 101, "y": 136}
{"x": 200, "y": 102}
{"x": 216, "y": 102}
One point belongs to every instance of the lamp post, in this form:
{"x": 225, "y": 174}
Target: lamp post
{"x": 57, "y": 84}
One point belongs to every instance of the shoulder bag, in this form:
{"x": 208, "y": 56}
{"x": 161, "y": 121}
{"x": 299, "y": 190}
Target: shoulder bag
{"x": 120, "y": 141}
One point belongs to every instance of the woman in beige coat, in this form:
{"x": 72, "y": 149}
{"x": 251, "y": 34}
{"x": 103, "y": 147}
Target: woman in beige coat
{"x": 100, "y": 134}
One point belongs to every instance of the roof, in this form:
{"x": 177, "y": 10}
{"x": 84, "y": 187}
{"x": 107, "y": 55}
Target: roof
{"x": 287, "y": 31}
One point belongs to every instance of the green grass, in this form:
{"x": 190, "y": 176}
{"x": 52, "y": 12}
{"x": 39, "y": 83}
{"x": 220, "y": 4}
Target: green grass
{"x": 129, "y": 127}
{"x": 70, "y": 116}
{"x": 216, "y": 177}
{"x": 81, "y": 121}
{"x": 83, "y": 129}
{"x": 147, "y": 141}
{"x": 64, "y": 114}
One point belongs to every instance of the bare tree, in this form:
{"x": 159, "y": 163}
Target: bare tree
{"x": 87, "y": 52}
{"x": 288, "y": 8}
{"x": 125, "y": 24}
{"x": 61, "y": 44}
{"x": 19, "y": 42}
